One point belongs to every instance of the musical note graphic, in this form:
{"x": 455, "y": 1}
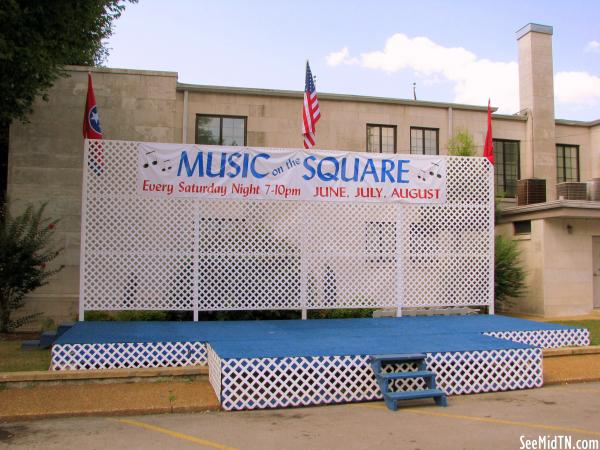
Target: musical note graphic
{"x": 425, "y": 174}
{"x": 149, "y": 159}
{"x": 434, "y": 170}
{"x": 164, "y": 166}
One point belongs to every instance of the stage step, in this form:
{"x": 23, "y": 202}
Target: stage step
{"x": 30, "y": 345}
{"x": 385, "y": 379}
{"x": 401, "y": 357}
{"x": 405, "y": 375}
{"x": 47, "y": 338}
{"x": 392, "y": 398}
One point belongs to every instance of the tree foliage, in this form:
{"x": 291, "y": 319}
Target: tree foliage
{"x": 461, "y": 144}
{"x": 26, "y": 249}
{"x": 37, "y": 38}
{"x": 509, "y": 280}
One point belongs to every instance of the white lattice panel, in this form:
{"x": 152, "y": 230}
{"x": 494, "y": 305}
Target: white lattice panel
{"x": 546, "y": 338}
{"x": 487, "y": 371}
{"x": 127, "y": 355}
{"x": 300, "y": 381}
{"x": 193, "y": 254}
{"x": 214, "y": 371}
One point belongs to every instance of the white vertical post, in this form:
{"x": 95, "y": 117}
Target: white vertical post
{"x": 86, "y": 150}
{"x": 492, "y": 229}
{"x": 196, "y": 288}
{"x": 303, "y": 262}
{"x": 399, "y": 262}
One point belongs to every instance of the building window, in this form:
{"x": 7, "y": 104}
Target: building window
{"x": 522, "y": 227}
{"x": 506, "y": 167}
{"x": 220, "y": 130}
{"x": 381, "y": 138}
{"x": 424, "y": 141}
{"x": 567, "y": 163}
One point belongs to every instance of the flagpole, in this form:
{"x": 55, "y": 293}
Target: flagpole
{"x": 303, "y": 262}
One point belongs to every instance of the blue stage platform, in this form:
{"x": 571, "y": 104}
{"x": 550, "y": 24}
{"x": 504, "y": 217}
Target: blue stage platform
{"x": 283, "y": 338}
{"x": 279, "y": 363}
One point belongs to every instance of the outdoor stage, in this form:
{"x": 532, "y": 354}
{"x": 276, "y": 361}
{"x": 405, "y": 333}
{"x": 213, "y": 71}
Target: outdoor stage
{"x": 267, "y": 364}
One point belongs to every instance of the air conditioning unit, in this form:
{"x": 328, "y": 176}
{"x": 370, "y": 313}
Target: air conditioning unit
{"x": 531, "y": 190}
{"x": 594, "y": 189}
{"x": 571, "y": 191}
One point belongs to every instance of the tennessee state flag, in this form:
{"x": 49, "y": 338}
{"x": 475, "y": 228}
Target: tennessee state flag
{"x": 488, "y": 149}
{"x": 92, "y": 130}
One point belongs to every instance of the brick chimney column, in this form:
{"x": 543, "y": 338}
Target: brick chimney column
{"x": 536, "y": 97}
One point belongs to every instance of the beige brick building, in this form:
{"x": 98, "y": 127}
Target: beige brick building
{"x": 560, "y": 239}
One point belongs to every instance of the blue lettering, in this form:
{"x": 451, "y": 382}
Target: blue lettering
{"x": 234, "y": 165}
{"x": 221, "y": 172}
{"x": 308, "y": 167}
{"x": 184, "y": 161}
{"x": 245, "y": 166}
{"x": 343, "y": 170}
{"x": 387, "y": 165}
{"x": 370, "y": 170}
{"x": 253, "y": 163}
{"x": 401, "y": 171}
{"x": 328, "y": 176}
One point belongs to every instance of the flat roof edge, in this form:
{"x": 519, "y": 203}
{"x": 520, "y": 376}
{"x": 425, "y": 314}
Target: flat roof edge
{"x": 535, "y": 28}
{"x": 94, "y": 69}
{"x": 553, "y": 209}
{"x": 325, "y": 96}
{"x": 577, "y": 123}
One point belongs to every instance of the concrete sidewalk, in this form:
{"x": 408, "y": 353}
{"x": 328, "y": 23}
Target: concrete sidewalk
{"x": 106, "y": 399}
{"x": 47, "y": 394}
{"x": 494, "y": 420}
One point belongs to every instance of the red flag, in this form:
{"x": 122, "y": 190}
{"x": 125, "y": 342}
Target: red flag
{"x": 92, "y": 130}
{"x": 488, "y": 149}
{"x": 91, "y": 120}
{"x": 310, "y": 111}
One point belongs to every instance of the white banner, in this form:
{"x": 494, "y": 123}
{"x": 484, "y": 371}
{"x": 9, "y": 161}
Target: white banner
{"x": 206, "y": 171}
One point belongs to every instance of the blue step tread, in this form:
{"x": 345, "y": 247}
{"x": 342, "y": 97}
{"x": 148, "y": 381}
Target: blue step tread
{"x": 30, "y": 345}
{"x": 409, "y": 395}
{"x": 400, "y": 357}
{"x": 403, "y": 375}
{"x": 47, "y": 338}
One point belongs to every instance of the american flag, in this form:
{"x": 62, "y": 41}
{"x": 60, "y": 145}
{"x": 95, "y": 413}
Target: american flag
{"x": 310, "y": 112}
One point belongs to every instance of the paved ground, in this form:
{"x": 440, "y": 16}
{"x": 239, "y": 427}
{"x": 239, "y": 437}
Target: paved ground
{"x": 474, "y": 422}
{"x": 141, "y": 397}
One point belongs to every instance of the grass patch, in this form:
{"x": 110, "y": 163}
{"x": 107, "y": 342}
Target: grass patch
{"x": 13, "y": 359}
{"x": 592, "y": 325}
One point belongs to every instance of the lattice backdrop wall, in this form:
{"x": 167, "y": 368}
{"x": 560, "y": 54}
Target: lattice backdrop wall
{"x": 205, "y": 255}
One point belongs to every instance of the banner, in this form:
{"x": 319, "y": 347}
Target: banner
{"x": 172, "y": 170}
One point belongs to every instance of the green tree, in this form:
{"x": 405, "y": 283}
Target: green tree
{"x": 509, "y": 276}
{"x": 37, "y": 38}
{"x": 509, "y": 280}
{"x": 26, "y": 249}
{"x": 461, "y": 144}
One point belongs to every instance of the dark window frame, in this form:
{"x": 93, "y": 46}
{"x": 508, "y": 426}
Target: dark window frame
{"x": 564, "y": 174}
{"x": 521, "y": 227}
{"x": 504, "y": 167}
{"x": 381, "y": 126}
{"x": 221, "y": 117}
{"x": 423, "y": 130}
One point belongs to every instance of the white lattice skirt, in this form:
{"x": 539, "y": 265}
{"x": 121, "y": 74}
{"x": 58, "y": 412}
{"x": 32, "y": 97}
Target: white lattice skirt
{"x": 275, "y": 382}
{"x": 259, "y": 383}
